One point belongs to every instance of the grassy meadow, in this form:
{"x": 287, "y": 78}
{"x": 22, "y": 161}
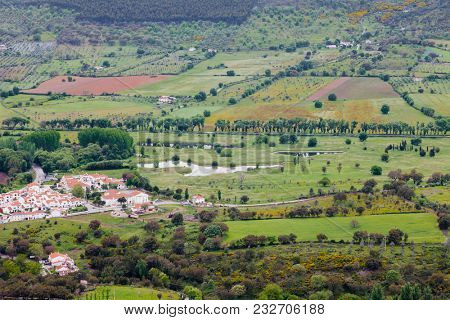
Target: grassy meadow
{"x": 420, "y": 227}
{"x": 275, "y": 184}
{"x": 129, "y": 293}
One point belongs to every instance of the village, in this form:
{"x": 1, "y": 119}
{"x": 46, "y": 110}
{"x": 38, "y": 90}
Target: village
{"x": 38, "y": 201}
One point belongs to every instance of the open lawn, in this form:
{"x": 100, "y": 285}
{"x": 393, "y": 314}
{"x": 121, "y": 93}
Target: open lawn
{"x": 129, "y": 293}
{"x": 421, "y": 227}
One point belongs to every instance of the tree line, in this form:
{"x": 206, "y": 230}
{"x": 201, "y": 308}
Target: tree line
{"x": 280, "y": 125}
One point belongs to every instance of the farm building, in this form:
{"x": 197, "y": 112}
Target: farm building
{"x": 167, "y": 99}
{"x": 198, "y": 200}
{"x": 132, "y": 197}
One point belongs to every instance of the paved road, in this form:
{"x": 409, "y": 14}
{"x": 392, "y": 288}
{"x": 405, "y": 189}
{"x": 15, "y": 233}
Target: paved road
{"x": 279, "y": 203}
{"x": 39, "y": 174}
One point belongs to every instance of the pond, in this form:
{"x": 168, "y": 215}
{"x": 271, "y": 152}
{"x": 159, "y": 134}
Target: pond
{"x": 201, "y": 171}
{"x": 307, "y": 154}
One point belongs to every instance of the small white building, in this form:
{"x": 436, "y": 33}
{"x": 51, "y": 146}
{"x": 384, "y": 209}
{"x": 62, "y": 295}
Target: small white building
{"x": 198, "y": 200}
{"x": 346, "y": 44}
{"x": 132, "y": 197}
{"x": 331, "y": 46}
{"x": 167, "y": 99}
{"x": 3, "y": 47}
{"x": 25, "y": 216}
{"x": 192, "y": 49}
{"x": 62, "y": 263}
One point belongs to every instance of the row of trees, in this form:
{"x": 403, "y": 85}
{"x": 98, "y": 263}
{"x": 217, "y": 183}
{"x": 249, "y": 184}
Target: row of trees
{"x": 281, "y": 125}
{"x": 330, "y": 126}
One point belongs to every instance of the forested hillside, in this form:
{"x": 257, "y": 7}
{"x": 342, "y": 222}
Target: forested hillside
{"x": 154, "y": 10}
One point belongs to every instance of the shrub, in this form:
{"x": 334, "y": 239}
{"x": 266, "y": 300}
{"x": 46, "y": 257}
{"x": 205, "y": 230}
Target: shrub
{"x": 376, "y": 170}
{"x": 332, "y": 97}
{"x": 318, "y": 104}
{"x": 312, "y": 142}
{"x": 321, "y": 237}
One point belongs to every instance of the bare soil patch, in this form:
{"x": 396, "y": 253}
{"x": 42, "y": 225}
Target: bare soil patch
{"x": 86, "y": 86}
{"x": 356, "y": 88}
{"x": 3, "y": 178}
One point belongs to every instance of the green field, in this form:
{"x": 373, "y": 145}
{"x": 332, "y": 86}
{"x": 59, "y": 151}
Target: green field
{"x": 128, "y": 293}
{"x": 245, "y": 65}
{"x": 421, "y": 227}
{"x": 267, "y": 185}
{"x": 439, "y": 102}
{"x": 41, "y": 108}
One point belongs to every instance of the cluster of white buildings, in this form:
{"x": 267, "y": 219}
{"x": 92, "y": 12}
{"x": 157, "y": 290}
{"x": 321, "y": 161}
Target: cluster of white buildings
{"x": 61, "y": 263}
{"x": 92, "y": 182}
{"x": 342, "y": 44}
{"x": 112, "y": 190}
{"x": 35, "y": 202}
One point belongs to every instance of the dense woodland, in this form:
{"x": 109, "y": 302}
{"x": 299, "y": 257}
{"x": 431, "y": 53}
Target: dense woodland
{"x": 154, "y": 10}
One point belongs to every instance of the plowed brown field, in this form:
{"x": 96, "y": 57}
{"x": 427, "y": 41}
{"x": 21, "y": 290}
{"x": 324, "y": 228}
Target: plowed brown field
{"x": 86, "y": 86}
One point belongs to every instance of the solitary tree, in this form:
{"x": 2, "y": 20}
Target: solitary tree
{"x": 312, "y": 142}
{"x": 385, "y": 109}
{"x": 244, "y": 199}
{"x": 78, "y": 191}
{"x": 332, "y": 97}
{"x": 362, "y": 136}
{"x": 94, "y": 224}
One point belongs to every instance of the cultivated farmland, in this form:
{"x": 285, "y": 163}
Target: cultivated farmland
{"x": 85, "y": 86}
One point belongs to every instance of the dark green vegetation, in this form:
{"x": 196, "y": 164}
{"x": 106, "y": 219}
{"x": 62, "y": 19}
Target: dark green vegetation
{"x": 186, "y": 257}
{"x": 154, "y": 10}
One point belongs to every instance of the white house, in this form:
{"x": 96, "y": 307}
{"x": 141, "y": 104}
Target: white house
{"x": 198, "y": 200}
{"x": 24, "y": 216}
{"x": 167, "y": 99}
{"x": 3, "y": 47}
{"x": 132, "y": 197}
{"x": 62, "y": 263}
{"x": 331, "y": 46}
